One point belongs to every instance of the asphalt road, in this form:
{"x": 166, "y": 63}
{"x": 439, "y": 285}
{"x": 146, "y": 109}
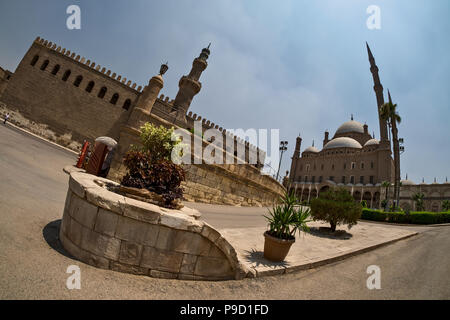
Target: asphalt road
{"x": 33, "y": 265}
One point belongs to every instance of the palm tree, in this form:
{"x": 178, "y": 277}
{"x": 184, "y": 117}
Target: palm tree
{"x": 389, "y": 113}
{"x": 418, "y": 198}
{"x": 386, "y": 184}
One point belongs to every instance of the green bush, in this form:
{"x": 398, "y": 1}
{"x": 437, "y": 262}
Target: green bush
{"x": 158, "y": 141}
{"x": 336, "y": 206}
{"x": 418, "y": 217}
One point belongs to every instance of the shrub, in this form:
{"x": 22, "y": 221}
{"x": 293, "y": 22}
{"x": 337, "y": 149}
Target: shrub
{"x": 364, "y": 204}
{"x": 336, "y": 206}
{"x": 446, "y": 205}
{"x": 414, "y": 217}
{"x": 158, "y": 141}
{"x": 150, "y": 166}
{"x": 286, "y": 218}
{"x": 162, "y": 177}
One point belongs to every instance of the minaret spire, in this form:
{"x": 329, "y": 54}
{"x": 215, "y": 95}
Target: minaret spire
{"x": 378, "y": 88}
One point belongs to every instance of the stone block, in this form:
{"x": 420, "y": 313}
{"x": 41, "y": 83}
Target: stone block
{"x": 182, "y": 241}
{"x": 130, "y": 253}
{"x": 75, "y": 232}
{"x": 100, "y": 245}
{"x": 181, "y": 222}
{"x": 106, "y": 222}
{"x": 131, "y": 230}
{"x": 210, "y": 233}
{"x": 76, "y": 187}
{"x": 140, "y": 210}
{"x": 188, "y": 264}
{"x": 83, "y": 212}
{"x": 163, "y": 274}
{"x": 105, "y": 199}
{"x": 120, "y": 267}
{"x": 65, "y": 224}
{"x": 213, "y": 267}
{"x": 215, "y": 252}
{"x": 161, "y": 260}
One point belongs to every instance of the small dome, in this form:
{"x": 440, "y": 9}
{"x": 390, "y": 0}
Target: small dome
{"x": 350, "y": 126}
{"x": 343, "y": 142}
{"x": 407, "y": 182}
{"x": 372, "y": 142}
{"x": 311, "y": 149}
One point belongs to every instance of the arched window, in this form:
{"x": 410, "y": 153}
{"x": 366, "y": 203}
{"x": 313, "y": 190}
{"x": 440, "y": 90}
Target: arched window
{"x": 66, "y": 75}
{"x": 35, "y": 59}
{"x": 90, "y": 86}
{"x": 55, "y": 69}
{"x": 102, "y": 92}
{"x": 44, "y": 65}
{"x": 127, "y": 104}
{"x": 114, "y": 98}
{"x": 78, "y": 81}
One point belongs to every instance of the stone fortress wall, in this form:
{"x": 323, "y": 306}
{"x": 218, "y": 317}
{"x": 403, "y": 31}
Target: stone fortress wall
{"x": 72, "y": 94}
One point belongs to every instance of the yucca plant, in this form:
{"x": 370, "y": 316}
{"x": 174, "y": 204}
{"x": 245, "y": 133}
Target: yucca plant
{"x": 285, "y": 219}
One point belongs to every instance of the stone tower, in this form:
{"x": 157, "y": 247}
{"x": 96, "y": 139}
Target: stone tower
{"x": 190, "y": 85}
{"x": 141, "y": 113}
{"x": 295, "y": 157}
{"x": 379, "y": 95}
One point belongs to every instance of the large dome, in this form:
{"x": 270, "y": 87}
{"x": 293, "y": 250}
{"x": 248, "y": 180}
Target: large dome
{"x": 311, "y": 149}
{"x": 350, "y": 126}
{"x": 343, "y": 142}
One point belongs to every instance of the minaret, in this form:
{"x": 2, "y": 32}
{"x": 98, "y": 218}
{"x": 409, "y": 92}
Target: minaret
{"x": 190, "y": 85}
{"x": 379, "y": 94}
{"x": 326, "y": 138}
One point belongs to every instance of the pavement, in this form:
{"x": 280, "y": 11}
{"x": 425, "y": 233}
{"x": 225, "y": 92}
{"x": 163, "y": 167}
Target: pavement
{"x": 33, "y": 264}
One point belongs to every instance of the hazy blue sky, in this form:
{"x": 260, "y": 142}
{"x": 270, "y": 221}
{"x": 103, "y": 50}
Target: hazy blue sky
{"x": 300, "y": 66}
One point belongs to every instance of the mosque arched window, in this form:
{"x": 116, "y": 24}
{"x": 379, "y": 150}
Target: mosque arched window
{"x": 127, "y": 104}
{"x": 90, "y": 86}
{"x": 77, "y": 81}
{"x": 66, "y": 75}
{"x": 44, "y": 65}
{"x": 55, "y": 69}
{"x": 35, "y": 60}
{"x": 114, "y": 98}
{"x": 102, "y": 92}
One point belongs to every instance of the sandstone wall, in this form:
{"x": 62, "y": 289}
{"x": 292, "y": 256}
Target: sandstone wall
{"x": 109, "y": 231}
{"x": 45, "y": 98}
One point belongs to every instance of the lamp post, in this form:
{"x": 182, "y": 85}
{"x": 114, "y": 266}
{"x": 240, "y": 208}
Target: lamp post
{"x": 283, "y": 148}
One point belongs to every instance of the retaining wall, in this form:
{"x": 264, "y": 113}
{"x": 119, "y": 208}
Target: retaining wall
{"x": 110, "y": 231}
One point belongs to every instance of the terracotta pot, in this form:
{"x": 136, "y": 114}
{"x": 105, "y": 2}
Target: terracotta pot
{"x": 276, "y": 249}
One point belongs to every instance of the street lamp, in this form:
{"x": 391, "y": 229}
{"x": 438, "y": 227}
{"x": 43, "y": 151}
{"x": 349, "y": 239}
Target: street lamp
{"x": 401, "y": 147}
{"x": 283, "y": 148}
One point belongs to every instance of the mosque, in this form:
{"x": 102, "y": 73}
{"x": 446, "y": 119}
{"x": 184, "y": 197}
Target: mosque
{"x": 359, "y": 162}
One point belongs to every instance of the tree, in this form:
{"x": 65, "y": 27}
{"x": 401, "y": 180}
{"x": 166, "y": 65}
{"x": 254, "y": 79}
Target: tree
{"x": 386, "y": 185}
{"x": 418, "y": 198}
{"x": 336, "y": 206}
{"x": 389, "y": 113}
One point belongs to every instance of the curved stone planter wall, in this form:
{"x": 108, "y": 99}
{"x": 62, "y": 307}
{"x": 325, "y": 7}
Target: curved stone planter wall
{"x": 110, "y": 231}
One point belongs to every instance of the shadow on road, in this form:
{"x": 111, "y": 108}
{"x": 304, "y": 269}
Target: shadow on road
{"x": 257, "y": 257}
{"x": 325, "y": 232}
{"x": 51, "y": 235}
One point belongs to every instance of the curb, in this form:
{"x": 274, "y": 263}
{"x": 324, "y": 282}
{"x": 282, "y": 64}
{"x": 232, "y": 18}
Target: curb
{"x": 293, "y": 269}
{"x": 41, "y": 138}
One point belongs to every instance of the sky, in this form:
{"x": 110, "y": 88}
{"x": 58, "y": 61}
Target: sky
{"x": 294, "y": 65}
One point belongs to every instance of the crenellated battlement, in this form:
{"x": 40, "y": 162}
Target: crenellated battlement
{"x": 92, "y": 65}
{"x": 211, "y": 125}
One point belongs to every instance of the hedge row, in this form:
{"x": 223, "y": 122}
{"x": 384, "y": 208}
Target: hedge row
{"x": 422, "y": 217}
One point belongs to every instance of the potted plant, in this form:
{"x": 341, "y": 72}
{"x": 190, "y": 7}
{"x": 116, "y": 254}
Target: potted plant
{"x": 283, "y": 221}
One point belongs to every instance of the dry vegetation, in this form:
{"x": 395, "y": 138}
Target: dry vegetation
{"x": 39, "y": 129}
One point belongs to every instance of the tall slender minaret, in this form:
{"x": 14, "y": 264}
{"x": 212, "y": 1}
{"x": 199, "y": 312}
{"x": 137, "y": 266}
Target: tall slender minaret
{"x": 190, "y": 85}
{"x": 379, "y": 94}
